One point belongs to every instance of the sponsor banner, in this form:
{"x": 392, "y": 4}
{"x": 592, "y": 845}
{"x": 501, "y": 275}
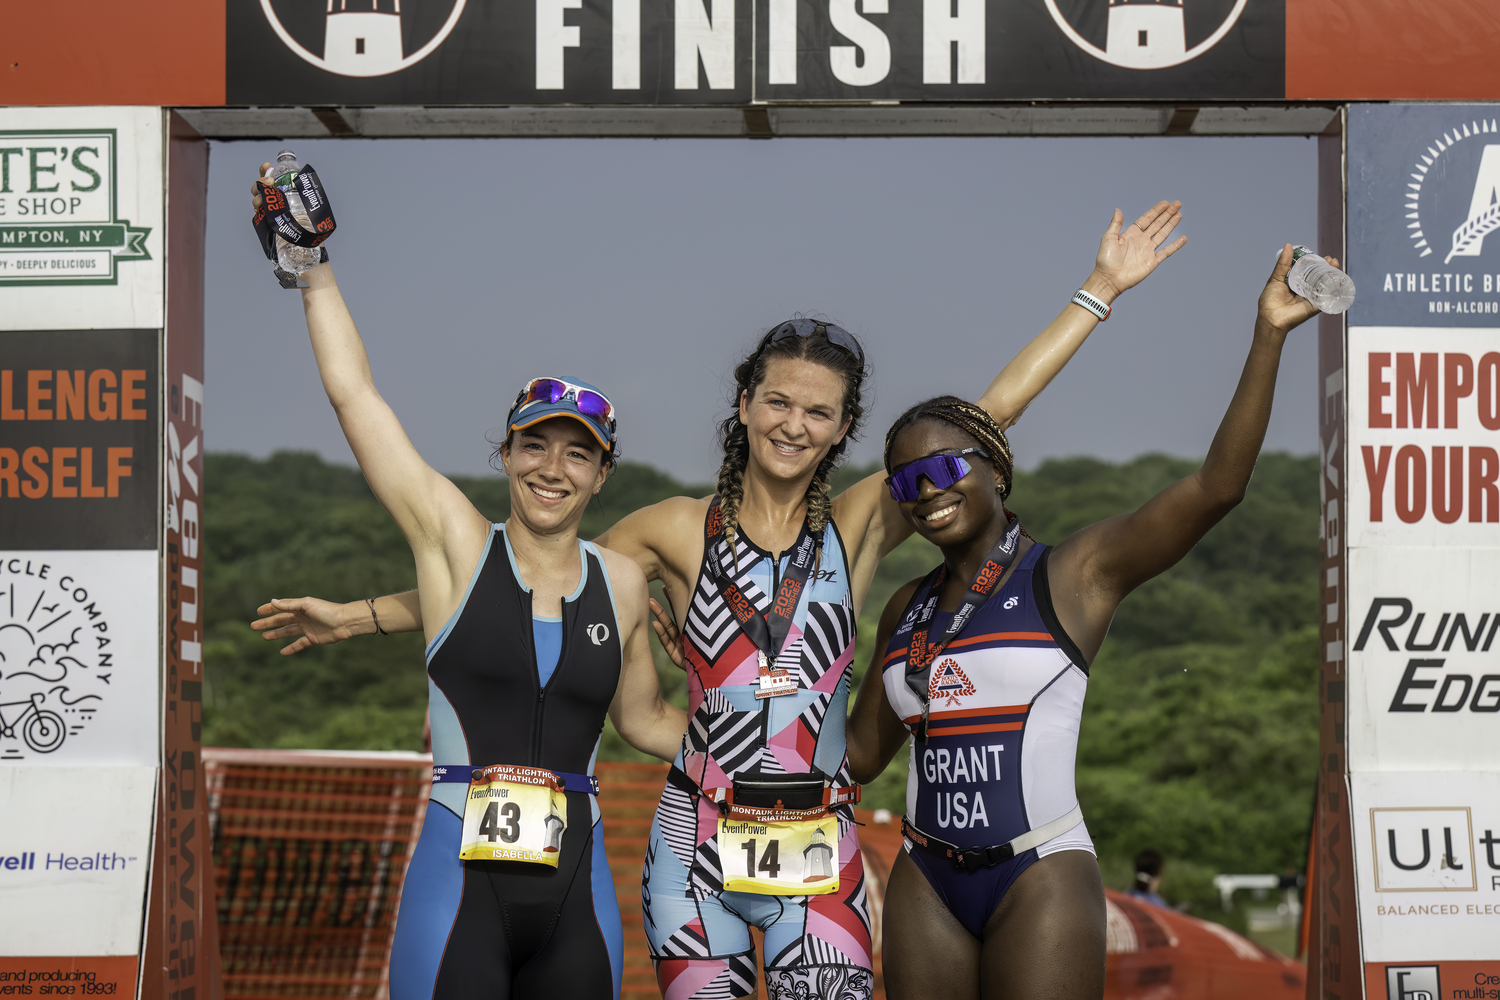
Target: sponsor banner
{"x": 100, "y": 976}
{"x": 81, "y": 218}
{"x": 1433, "y": 980}
{"x": 1424, "y": 436}
{"x": 79, "y": 660}
{"x": 1427, "y": 857}
{"x": 1423, "y": 215}
{"x": 81, "y": 412}
{"x": 73, "y": 866}
{"x": 664, "y": 52}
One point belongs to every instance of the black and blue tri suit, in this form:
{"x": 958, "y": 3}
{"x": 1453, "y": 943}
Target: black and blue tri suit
{"x": 502, "y": 929}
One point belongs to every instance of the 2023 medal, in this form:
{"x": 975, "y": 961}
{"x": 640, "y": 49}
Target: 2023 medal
{"x": 514, "y": 814}
{"x": 779, "y": 852}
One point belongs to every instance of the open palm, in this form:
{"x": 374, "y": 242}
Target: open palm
{"x": 1127, "y": 255}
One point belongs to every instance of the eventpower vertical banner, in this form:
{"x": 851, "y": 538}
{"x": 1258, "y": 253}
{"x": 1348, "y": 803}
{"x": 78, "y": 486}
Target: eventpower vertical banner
{"x": 89, "y": 341}
{"x": 1423, "y": 546}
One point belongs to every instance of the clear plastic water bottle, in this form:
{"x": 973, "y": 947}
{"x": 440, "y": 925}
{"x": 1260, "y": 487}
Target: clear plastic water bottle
{"x": 292, "y": 258}
{"x": 1319, "y": 282}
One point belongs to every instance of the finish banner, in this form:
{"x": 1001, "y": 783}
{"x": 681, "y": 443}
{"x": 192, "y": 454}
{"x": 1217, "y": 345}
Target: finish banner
{"x": 1422, "y": 523}
{"x": 664, "y": 52}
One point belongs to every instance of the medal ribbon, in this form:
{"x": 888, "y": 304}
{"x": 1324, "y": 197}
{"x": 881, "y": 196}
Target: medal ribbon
{"x": 275, "y": 215}
{"x": 926, "y": 645}
{"x": 768, "y": 631}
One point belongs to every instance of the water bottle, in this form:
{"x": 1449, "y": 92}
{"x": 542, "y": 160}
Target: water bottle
{"x": 292, "y": 258}
{"x": 1319, "y": 282}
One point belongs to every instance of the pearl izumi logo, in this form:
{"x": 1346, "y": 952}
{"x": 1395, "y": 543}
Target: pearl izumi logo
{"x": 1453, "y": 196}
{"x": 363, "y": 37}
{"x": 55, "y": 662}
{"x": 1146, "y": 34}
{"x": 57, "y": 210}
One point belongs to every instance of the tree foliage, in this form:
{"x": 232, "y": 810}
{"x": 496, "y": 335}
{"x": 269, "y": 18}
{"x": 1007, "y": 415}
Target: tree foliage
{"x": 1199, "y": 735}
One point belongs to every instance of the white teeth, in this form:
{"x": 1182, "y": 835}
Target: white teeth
{"x": 940, "y": 513}
{"x": 549, "y": 494}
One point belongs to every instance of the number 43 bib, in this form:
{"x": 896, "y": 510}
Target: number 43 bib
{"x": 514, "y": 814}
{"x": 779, "y": 852}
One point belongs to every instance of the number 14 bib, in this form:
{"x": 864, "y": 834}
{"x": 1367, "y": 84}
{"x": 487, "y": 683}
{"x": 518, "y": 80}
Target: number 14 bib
{"x": 779, "y": 852}
{"x": 514, "y": 814}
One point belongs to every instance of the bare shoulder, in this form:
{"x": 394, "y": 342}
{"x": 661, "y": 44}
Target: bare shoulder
{"x": 894, "y": 608}
{"x": 661, "y": 520}
{"x": 626, "y": 578}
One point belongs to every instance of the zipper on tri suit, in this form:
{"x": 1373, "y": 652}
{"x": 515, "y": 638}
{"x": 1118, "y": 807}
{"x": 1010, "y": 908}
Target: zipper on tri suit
{"x": 540, "y": 714}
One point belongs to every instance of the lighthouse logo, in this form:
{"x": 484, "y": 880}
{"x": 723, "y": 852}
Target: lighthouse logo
{"x": 364, "y": 37}
{"x": 1141, "y": 34}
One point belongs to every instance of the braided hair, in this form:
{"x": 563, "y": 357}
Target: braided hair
{"x": 749, "y": 374}
{"x": 975, "y": 421}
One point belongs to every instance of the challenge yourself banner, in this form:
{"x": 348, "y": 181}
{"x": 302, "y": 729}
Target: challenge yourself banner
{"x": 654, "y": 52}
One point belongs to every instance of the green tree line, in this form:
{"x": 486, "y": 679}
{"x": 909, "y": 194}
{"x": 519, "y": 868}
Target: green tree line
{"x": 1199, "y": 733}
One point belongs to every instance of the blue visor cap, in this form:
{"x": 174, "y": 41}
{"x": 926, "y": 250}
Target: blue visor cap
{"x": 548, "y": 396}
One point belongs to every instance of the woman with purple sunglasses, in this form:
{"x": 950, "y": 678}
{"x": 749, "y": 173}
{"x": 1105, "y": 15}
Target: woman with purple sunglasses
{"x": 983, "y": 664}
{"x": 767, "y": 577}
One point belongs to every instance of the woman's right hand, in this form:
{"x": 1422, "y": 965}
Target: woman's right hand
{"x": 313, "y": 621}
{"x": 255, "y": 196}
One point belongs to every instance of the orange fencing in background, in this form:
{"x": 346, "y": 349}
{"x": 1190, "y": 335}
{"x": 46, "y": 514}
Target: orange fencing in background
{"x": 310, "y": 847}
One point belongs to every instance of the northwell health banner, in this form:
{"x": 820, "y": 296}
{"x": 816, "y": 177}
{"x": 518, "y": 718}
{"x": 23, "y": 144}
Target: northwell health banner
{"x": 100, "y": 460}
{"x": 1422, "y": 536}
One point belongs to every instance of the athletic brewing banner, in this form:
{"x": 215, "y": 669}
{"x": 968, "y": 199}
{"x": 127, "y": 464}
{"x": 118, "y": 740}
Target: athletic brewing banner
{"x": 734, "y": 51}
{"x": 1422, "y": 377}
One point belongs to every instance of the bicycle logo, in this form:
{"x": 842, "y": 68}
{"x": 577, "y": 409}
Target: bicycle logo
{"x": 42, "y": 729}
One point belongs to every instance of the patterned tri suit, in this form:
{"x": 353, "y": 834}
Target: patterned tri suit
{"x": 993, "y": 780}
{"x": 815, "y": 945}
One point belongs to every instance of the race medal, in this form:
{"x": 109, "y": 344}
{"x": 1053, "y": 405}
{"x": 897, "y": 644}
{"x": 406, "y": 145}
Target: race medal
{"x": 514, "y": 814}
{"x": 779, "y": 852}
{"x": 774, "y": 683}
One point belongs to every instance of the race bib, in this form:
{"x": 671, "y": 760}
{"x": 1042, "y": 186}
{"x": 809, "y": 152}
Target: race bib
{"x": 779, "y": 852}
{"x": 514, "y": 814}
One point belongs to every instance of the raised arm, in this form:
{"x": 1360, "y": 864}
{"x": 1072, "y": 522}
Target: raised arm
{"x": 875, "y": 733}
{"x": 642, "y": 716}
{"x": 1092, "y": 570}
{"x": 871, "y": 521}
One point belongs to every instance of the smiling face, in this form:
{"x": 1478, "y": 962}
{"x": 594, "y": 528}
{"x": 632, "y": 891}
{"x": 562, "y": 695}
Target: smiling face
{"x": 794, "y": 417}
{"x": 966, "y": 510}
{"x": 555, "y": 467}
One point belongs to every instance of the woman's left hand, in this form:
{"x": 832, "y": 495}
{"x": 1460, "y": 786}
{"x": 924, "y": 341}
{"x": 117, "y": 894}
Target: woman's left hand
{"x": 1279, "y": 306}
{"x": 1127, "y": 255}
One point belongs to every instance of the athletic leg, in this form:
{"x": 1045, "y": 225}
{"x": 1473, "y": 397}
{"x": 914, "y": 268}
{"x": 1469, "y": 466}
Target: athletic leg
{"x": 819, "y": 946}
{"x": 430, "y": 897}
{"x": 927, "y": 952}
{"x": 477, "y": 962}
{"x": 575, "y": 961}
{"x": 1045, "y": 941}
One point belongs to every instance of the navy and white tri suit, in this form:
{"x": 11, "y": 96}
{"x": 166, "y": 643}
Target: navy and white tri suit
{"x": 1006, "y": 699}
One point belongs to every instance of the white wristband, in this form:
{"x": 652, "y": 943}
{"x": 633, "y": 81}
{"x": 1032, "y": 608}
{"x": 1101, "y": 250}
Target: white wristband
{"x": 1093, "y": 305}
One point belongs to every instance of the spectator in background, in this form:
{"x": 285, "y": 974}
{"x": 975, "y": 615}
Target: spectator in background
{"x": 1148, "y": 865}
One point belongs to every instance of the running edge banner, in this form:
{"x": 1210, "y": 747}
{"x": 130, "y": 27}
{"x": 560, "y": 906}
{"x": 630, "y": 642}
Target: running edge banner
{"x": 1421, "y": 609}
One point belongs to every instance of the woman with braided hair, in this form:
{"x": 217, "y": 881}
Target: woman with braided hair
{"x": 767, "y": 577}
{"x": 983, "y": 663}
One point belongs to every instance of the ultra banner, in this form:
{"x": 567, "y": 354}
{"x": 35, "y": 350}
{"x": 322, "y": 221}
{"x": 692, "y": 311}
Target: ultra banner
{"x": 1422, "y": 376}
{"x": 654, "y": 52}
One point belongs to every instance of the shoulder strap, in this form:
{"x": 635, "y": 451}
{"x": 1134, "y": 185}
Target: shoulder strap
{"x": 1041, "y": 592}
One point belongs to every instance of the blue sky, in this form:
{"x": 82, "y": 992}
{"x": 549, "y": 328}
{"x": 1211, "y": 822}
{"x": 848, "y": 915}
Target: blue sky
{"x": 649, "y": 267}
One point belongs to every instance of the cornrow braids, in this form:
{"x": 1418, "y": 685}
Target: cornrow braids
{"x": 735, "y": 437}
{"x": 975, "y": 421}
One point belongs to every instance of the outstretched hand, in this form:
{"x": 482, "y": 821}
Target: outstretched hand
{"x": 667, "y": 634}
{"x": 1279, "y": 306}
{"x": 1127, "y": 255}
{"x": 255, "y": 196}
{"x": 314, "y": 622}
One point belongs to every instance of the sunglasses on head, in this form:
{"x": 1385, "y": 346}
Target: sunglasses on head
{"x": 942, "y": 470}
{"x": 835, "y": 335}
{"x": 552, "y": 390}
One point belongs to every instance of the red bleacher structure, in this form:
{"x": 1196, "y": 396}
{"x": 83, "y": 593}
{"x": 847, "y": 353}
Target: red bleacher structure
{"x": 310, "y": 848}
